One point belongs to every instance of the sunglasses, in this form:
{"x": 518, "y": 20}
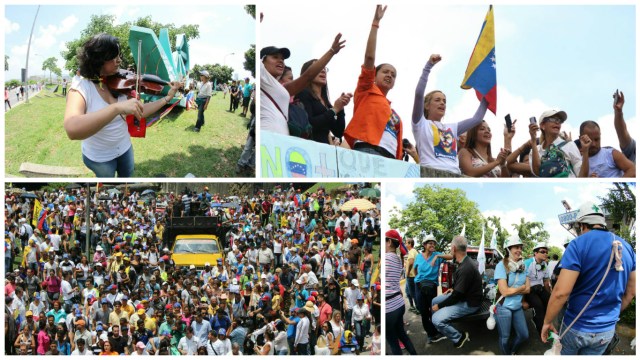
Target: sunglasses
{"x": 543, "y": 252}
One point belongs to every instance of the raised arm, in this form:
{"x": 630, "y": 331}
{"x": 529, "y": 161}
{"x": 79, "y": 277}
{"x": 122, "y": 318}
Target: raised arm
{"x": 297, "y": 85}
{"x": 418, "y": 101}
{"x": 477, "y": 118}
{"x": 370, "y": 52}
{"x": 618, "y": 122}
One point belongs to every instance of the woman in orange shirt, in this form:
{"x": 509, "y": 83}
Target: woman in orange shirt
{"x": 375, "y": 127}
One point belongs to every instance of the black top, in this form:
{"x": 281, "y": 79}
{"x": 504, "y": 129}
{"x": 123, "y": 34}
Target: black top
{"x": 321, "y": 118}
{"x": 467, "y": 285}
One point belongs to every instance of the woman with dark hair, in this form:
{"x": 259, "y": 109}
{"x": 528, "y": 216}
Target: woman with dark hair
{"x": 274, "y": 96}
{"x": 96, "y": 115}
{"x": 375, "y": 127}
{"x": 476, "y": 159}
{"x": 324, "y": 117}
{"x": 394, "y": 308}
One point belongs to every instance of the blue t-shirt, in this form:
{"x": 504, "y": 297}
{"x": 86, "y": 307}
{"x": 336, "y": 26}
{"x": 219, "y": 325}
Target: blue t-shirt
{"x": 589, "y": 255}
{"x": 246, "y": 91}
{"x": 291, "y": 329}
{"x": 425, "y": 270}
{"x": 513, "y": 302}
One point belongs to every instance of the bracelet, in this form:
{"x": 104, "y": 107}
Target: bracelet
{"x": 377, "y": 26}
{"x": 333, "y": 51}
{"x": 165, "y": 100}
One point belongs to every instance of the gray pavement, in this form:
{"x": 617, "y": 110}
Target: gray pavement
{"x": 484, "y": 341}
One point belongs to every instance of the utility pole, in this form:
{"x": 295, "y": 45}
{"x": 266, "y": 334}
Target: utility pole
{"x": 26, "y": 75}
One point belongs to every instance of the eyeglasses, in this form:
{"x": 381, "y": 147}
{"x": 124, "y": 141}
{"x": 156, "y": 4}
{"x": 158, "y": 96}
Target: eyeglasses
{"x": 553, "y": 120}
{"x": 543, "y": 252}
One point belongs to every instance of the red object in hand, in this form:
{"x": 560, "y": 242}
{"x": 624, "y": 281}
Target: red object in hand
{"x": 136, "y": 127}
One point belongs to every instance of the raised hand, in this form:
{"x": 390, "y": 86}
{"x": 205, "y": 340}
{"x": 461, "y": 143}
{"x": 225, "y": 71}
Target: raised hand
{"x": 617, "y": 106}
{"x": 342, "y": 101}
{"x": 510, "y": 133}
{"x": 533, "y": 132}
{"x": 337, "y": 44}
{"x": 585, "y": 143}
{"x": 435, "y": 58}
{"x": 380, "y": 10}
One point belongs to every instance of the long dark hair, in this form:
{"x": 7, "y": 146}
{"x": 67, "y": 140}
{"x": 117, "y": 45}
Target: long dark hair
{"x": 324, "y": 90}
{"x": 472, "y": 138}
{"x": 95, "y": 52}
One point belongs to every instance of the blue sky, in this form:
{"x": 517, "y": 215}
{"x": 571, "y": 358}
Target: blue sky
{"x": 224, "y": 29}
{"x": 535, "y": 201}
{"x": 567, "y": 57}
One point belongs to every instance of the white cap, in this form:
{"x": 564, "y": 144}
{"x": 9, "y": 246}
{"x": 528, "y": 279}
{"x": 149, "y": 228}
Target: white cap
{"x": 355, "y": 282}
{"x": 553, "y": 113}
{"x": 192, "y": 266}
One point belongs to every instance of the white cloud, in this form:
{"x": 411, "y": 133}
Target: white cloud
{"x": 10, "y": 26}
{"x": 559, "y": 190}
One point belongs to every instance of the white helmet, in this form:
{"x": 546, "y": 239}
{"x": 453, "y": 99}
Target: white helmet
{"x": 590, "y": 213}
{"x": 512, "y": 241}
{"x": 540, "y": 245}
{"x": 429, "y": 237}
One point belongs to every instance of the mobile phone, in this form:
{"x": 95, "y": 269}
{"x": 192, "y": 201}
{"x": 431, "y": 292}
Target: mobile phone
{"x": 533, "y": 120}
{"x": 616, "y": 97}
{"x": 507, "y": 120}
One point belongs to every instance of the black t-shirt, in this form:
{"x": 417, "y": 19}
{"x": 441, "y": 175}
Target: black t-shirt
{"x": 468, "y": 282}
{"x": 119, "y": 343}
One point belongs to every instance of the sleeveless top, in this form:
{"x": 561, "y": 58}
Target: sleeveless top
{"x": 477, "y": 161}
{"x": 603, "y": 164}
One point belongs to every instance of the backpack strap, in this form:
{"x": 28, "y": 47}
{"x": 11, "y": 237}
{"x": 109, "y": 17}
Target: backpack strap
{"x": 276, "y": 104}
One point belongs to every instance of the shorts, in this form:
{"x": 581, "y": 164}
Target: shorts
{"x": 245, "y": 101}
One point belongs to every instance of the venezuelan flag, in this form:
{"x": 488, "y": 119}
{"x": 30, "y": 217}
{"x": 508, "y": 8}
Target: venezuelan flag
{"x": 481, "y": 70}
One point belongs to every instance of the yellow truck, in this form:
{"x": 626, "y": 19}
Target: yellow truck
{"x": 196, "y": 250}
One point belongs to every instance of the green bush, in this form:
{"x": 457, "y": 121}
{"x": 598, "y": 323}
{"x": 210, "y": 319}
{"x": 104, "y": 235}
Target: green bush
{"x": 629, "y": 315}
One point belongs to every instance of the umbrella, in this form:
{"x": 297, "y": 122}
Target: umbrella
{"x": 370, "y": 193}
{"x": 29, "y": 196}
{"x": 361, "y": 204}
{"x": 113, "y": 191}
{"x": 15, "y": 191}
{"x": 73, "y": 186}
{"x": 147, "y": 192}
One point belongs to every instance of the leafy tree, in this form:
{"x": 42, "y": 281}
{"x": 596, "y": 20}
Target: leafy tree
{"x": 502, "y": 235}
{"x": 12, "y": 83}
{"x": 620, "y": 203}
{"x": 51, "y": 65}
{"x": 251, "y": 10}
{"x": 104, "y": 24}
{"x": 530, "y": 232}
{"x": 219, "y": 73}
{"x": 554, "y": 250}
{"x": 250, "y": 60}
{"x": 440, "y": 211}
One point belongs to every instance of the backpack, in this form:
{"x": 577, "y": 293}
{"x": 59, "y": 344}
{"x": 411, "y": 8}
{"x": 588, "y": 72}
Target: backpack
{"x": 554, "y": 163}
{"x": 298, "y": 123}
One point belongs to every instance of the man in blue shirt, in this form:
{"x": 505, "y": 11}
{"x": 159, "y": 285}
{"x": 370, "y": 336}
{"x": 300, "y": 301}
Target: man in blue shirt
{"x": 292, "y": 321}
{"x": 427, "y": 265}
{"x": 584, "y": 265}
{"x": 246, "y": 96}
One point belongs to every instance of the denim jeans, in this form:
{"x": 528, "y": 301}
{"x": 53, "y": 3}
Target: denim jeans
{"x": 441, "y": 319}
{"x": 347, "y": 319}
{"x": 410, "y": 290}
{"x": 358, "y": 328}
{"x": 576, "y": 342}
{"x": 424, "y": 297}
{"x": 505, "y": 321}
{"x": 395, "y": 332}
{"x": 302, "y": 349}
{"x": 200, "y": 120}
{"x": 283, "y": 352}
{"x": 123, "y": 165}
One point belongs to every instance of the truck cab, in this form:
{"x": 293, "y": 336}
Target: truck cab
{"x": 194, "y": 240}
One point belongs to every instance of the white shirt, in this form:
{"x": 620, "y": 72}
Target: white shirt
{"x": 189, "y": 345}
{"x": 112, "y": 140}
{"x": 351, "y": 295}
{"x": 571, "y": 152}
{"x": 272, "y": 119}
{"x": 360, "y": 312}
{"x": 302, "y": 331}
{"x": 438, "y": 152}
{"x": 205, "y": 89}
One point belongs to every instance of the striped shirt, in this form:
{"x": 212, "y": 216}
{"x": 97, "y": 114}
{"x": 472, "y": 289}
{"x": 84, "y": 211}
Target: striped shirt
{"x": 393, "y": 271}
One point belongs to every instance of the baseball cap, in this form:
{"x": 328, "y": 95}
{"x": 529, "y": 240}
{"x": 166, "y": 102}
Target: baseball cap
{"x": 272, "y": 50}
{"x": 553, "y": 113}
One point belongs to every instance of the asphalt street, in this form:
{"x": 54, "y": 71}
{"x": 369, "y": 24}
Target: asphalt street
{"x": 484, "y": 341}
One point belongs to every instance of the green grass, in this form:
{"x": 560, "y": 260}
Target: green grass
{"x": 34, "y": 133}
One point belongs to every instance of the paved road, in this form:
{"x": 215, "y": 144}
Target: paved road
{"x": 14, "y": 101}
{"x": 483, "y": 341}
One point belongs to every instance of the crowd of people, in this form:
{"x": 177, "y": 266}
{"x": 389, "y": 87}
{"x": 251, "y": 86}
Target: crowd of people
{"x": 298, "y": 277}
{"x": 561, "y": 293}
{"x": 301, "y": 107}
